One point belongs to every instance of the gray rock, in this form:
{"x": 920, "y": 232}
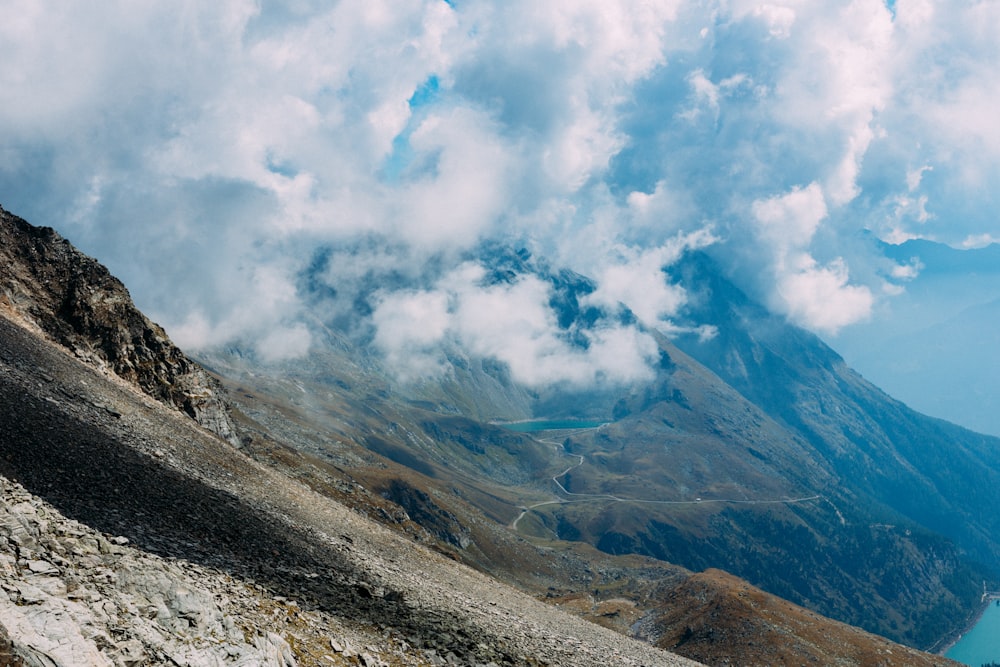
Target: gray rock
{"x": 66, "y": 616}
{"x": 42, "y": 567}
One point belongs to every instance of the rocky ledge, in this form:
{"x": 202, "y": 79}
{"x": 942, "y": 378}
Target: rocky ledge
{"x": 47, "y": 284}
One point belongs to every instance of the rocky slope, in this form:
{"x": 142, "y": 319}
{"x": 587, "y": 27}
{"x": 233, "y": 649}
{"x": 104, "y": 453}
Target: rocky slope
{"x": 73, "y": 596}
{"x": 104, "y": 456}
{"x": 74, "y": 300}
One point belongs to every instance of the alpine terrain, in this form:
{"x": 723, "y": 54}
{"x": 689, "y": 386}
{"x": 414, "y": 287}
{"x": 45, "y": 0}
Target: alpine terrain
{"x": 323, "y": 511}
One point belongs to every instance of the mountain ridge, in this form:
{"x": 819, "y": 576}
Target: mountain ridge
{"x": 74, "y": 300}
{"x": 856, "y": 425}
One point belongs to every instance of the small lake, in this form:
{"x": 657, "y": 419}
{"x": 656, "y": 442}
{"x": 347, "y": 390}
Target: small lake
{"x": 981, "y": 644}
{"x": 551, "y": 425}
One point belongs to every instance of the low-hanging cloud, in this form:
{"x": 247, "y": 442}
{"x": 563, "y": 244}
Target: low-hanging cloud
{"x": 512, "y": 322}
{"x": 817, "y": 296}
{"x": 250, "y": 169}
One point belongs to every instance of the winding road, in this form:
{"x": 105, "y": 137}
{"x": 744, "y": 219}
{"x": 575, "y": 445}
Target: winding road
{"x": 588, "y": 497}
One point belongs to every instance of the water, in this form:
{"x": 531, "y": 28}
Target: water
{"x": 981, "y": 644}
{"x": 552, "y": 425}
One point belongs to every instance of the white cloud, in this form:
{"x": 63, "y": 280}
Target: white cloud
{"x": 207, "y": 151}
{"x": 907, "y": 271}
{"x": 636, "y": 279}
{"x": 945, "y": 64}
{"x": 817, "y": 297}
{"x": 915, "y": 176}
{"x": 664, "y": 210}
{"x": 410, "y": 331}
{"x": 779, "y": 19}
{"x": 708, "y": 94}
{"x": 266, "y": 320}
{"x": 979, "y": 240}
{"x": 465, "y": 186}
{"x": 639, "y": 283}
{"x": 284, "y": 343}
{"x": 897, "y": 235}
{"x": 511, "y": 322}
{"x": 820, "y": 298}
{"x": 789, "y": 221}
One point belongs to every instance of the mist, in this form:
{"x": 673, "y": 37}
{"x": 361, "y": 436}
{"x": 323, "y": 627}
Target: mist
{"x": 253, "y": 169}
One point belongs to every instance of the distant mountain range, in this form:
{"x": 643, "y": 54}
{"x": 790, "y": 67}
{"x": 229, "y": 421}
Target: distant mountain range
{"x": 756, "y": 451}
{"x": 934, "y": 345}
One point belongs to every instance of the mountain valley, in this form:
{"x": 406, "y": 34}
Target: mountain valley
{"x": 793, "y": 473}
{"x": 405, "y": 520}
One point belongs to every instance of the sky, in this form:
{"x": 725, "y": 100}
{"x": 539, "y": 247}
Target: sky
{"x": 251, "y": 169}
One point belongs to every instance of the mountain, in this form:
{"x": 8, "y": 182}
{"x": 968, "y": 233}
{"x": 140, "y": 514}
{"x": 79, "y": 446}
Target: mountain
{"x": 323, "y": 523}
{"x": 757, "y": 451}
{"x": 706, "y": 466}
{"x": 927, "y": 470}
{"x": 107, "y": 478}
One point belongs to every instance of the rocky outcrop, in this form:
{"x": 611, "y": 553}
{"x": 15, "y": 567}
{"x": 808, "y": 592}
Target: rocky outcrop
{"x": 47, "y": 283}
{"x": 420, "y": 507}
{"x": 72, "y": 596}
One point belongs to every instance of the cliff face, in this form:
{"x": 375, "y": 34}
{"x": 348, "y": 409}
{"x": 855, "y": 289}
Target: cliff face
{"x": 74, "y": 300}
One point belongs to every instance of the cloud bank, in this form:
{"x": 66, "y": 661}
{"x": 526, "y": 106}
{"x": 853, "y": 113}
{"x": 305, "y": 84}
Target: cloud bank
{"x": 250, "y": 167}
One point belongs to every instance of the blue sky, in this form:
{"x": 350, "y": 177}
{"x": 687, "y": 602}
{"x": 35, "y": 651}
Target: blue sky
{"x": 206, "y": 152}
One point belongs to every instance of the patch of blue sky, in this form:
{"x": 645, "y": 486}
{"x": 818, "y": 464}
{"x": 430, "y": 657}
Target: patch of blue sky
{"x": 399, "y": 159}
{"x": 426, "y": 93}
{"x": 402, "y": 155}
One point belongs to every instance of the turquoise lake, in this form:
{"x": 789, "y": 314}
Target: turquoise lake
{"x": 550, "y": 425}
{"x": 981, "y": 644}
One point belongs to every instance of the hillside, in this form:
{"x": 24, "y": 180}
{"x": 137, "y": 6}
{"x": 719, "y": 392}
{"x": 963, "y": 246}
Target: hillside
{"x": 136, "y": 535}
{"x": 757, "y": 452}
{"x": 107, "y": 456}
{"x": 772, "y": 631}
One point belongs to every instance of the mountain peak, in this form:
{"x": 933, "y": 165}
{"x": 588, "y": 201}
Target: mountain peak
{"x": 48, "y": 285}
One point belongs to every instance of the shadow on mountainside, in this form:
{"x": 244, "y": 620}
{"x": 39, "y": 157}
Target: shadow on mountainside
{"x": 90, "y": 474}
